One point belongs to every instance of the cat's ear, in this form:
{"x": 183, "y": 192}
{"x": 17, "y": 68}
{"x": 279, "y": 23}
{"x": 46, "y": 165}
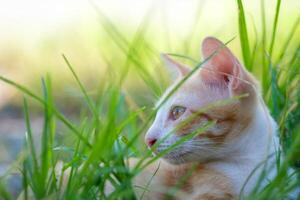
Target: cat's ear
{"x": 222, "y": 67}
{"x": 175, "y": 68}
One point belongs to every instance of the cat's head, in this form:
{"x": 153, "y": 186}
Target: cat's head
{"x": 222, "y": 91}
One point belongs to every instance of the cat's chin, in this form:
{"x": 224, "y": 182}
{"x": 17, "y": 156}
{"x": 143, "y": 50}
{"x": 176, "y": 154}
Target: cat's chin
{"x": 174, "y": 161}
{"x": 183, "y": 160}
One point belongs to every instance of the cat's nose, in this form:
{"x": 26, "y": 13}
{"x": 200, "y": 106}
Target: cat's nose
{"x": 151, "y": 141}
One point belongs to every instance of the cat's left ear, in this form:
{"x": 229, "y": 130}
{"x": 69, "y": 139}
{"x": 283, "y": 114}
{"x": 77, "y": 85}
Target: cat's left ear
{"x": 222, "y": 67}
{"x": 175, "y": 68}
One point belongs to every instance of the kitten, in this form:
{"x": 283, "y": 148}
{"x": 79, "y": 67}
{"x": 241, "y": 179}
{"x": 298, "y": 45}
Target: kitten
{"x": 215, "y": 164}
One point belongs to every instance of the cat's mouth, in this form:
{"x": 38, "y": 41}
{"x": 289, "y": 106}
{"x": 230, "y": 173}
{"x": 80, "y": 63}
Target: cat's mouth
{"x": 173, "y": 156}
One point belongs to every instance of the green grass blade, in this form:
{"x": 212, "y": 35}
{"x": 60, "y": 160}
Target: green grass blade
{"x": 83, "y": 90}
{"x": 275, "y": 23}
{"x": 29, "y": 139}
{"x": 3, "y": 192}
{"x": 287, "y": 43}
{"x": 244, "y": 40}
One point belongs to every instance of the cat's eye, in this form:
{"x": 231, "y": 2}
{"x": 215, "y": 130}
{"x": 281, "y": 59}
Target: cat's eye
{"x": 176, "y": 112}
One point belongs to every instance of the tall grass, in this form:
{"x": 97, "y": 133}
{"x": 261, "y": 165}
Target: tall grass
{"x": 98, "y": 145}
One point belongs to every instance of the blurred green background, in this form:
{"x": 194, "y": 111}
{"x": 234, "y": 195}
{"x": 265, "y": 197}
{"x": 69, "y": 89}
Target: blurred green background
{"x": 35, "y": 34}
{"x": 93, "y": 34}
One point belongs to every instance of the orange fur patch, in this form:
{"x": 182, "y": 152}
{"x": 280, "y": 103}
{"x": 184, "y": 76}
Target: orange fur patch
{"x": 196, "y": 182}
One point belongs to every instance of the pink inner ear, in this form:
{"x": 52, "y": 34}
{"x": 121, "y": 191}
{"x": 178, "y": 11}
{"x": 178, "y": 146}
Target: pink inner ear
{"x": 222, "y": 66}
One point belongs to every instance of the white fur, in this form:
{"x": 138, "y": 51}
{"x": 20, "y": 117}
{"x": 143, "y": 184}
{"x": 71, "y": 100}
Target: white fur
{"x": 251, "y": 150}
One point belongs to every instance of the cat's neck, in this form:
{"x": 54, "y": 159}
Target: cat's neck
{"x": 256, "y": 143}
{"x": 259, "y": 139}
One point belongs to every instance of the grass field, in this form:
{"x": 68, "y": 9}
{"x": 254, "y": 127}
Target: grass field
{"x": 115, "y": 113}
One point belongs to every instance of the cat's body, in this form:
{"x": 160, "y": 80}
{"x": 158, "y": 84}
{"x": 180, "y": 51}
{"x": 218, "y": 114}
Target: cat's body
{"x": 215, "y": 164}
